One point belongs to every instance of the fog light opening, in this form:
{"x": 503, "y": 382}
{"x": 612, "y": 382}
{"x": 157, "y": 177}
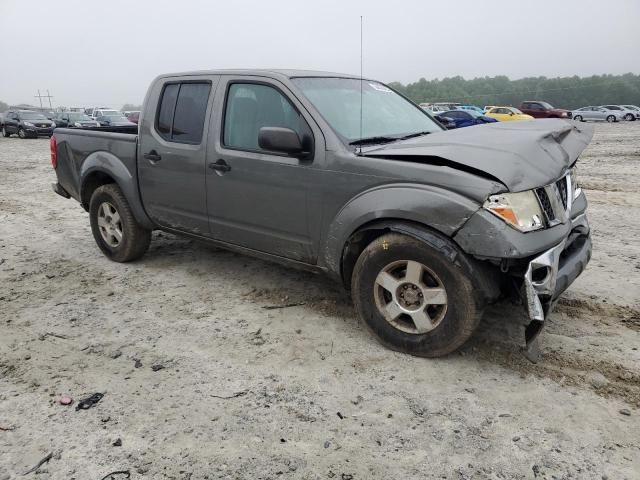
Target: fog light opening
{"x": 539, "y": 275}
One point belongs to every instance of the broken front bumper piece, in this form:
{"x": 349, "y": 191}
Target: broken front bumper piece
{"x": 549, "y": 274}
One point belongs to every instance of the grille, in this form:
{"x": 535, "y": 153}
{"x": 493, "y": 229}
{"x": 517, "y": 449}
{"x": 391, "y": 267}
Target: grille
{"x": 562, "y": 189}
{"x": 545, "y": 203}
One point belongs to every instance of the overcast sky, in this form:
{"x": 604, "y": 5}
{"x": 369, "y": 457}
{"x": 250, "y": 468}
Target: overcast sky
{"x": 106, "y": 52}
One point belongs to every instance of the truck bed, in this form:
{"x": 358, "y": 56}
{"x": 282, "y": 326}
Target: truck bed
{"x": 82, "y": 150}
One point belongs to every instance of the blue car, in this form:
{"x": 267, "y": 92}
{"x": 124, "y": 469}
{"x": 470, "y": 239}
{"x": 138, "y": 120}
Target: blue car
{"x": 466, "y": 118}
{"x": 472, "y": 108}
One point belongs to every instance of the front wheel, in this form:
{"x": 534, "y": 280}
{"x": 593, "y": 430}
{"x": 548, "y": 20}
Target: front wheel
{"x": 21, "y": 133}
{"x": 629, "y": 117}
{"x": 611, "y": 119}
{"x": 114, "y": 228}
{"x": 578, "y": 118}
{"x": 413, "y": 297}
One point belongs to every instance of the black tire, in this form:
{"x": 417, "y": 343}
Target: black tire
{"x": 5, "y": 133}
{"x": 578, "y": 118}
{"x": 460, "y": 317}
{"x": 135, "y": 239}
{"x": 611, "y": 119}
{"x": 629, "y": 117}
{"x": 21, "y": 133}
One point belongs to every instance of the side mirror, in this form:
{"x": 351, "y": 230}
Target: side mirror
{"x": 278, "y": 139}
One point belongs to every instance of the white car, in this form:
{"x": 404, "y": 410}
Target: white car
{"x": 597, "y": 113}
{"x": 634, "y": 109}
{"x": 626, "y": 113}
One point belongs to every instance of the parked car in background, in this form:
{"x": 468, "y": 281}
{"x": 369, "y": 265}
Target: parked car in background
{"x": 27, "y": 123}
{"x": 74, "y": 119}
{"x": 106, "y": 113}
{"x": 132, "y": 116}
{"x": 539, "y": 109}
{"x": 634, "y": 108}
{"x": 627, "y": 114}
{"x": 91, "y": 111}
{"x": 472, "y": 108}
{"x": 507, "y": 114}
{"x": 446, "y": 122}
{"x": 114, "y": 121}
{"x": 597, "y": 114}
{"x": 467, "y": 118}
{"x": 487, "y": 108}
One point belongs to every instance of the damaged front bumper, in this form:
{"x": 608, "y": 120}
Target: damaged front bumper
{"x": 549, "y": 274}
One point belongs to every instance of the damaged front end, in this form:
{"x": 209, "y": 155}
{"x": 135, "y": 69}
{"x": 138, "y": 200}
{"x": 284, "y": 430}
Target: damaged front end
{"x": 549, "y": 274}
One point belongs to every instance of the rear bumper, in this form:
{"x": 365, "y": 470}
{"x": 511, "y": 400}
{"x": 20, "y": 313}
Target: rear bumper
{"x": 549, "y": 274}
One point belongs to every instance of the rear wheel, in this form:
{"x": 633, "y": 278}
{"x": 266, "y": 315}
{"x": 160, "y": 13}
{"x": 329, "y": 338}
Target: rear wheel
{"x": 5, "y": 133}
{"x": 114, "y": 227}
{"x": 611, "y": 119}
{"x": 578, "y": 118}
{"x": 413, "y": 297}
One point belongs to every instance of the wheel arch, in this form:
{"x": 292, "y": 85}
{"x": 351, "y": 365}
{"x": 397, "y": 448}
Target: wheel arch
{"x": 102, "y": 168}
{"x": 486, "y": 277}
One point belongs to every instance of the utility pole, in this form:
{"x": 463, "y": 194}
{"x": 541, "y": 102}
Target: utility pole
{"x": 40, "y": 97}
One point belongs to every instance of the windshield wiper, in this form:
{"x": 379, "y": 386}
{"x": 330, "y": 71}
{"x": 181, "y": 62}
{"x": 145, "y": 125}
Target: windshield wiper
{"x": 373, "y": 140}
{"x": 413, "y": 135}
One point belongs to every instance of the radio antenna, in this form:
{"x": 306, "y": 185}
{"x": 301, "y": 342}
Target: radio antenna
{"x": 361, "y": 56}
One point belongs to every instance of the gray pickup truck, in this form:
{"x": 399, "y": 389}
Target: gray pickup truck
{"x": 335, "y": 174}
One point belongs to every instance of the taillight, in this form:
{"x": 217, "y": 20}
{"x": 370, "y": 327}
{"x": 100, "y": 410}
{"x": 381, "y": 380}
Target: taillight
{"x": 53, "y": 145}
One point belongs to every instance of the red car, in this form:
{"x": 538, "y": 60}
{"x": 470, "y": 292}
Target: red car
{"x": 539, "y": 109}
{"x": 132, "y": 116}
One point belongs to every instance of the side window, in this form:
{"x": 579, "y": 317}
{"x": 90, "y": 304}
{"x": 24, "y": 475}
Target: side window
{"x": 249, "y": 107}
{"x": 182, "y": 111}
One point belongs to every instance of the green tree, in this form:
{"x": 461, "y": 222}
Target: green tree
{"x": 567, "y": 92}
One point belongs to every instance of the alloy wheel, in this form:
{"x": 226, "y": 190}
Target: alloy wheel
{"x": 410, "y": 296}
{"x": 110, "y": 224}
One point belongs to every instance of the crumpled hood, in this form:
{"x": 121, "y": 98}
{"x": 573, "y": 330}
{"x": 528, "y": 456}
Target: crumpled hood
{"x": 522, "y": 155}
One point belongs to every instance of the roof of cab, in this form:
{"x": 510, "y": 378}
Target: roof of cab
{"x": 270, "y": 72}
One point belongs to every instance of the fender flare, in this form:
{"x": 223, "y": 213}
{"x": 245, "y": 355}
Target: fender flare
{"x": 108, "y": 164}
{"x": 440, "y": 210}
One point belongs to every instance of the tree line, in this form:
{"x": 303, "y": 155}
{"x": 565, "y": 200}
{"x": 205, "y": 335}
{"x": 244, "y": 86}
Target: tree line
{"x": 566, "y": 92}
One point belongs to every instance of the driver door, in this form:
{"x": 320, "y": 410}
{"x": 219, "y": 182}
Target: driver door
{"x": 256, "y": 198}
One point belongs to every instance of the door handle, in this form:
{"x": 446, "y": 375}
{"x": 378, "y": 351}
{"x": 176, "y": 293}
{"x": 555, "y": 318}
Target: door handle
{"x": 153, "y": 156}
{"x": 220, "y": 166}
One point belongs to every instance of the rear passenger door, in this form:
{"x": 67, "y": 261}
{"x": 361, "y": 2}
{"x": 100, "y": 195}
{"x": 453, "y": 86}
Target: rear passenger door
{"x": 172, "y": 152}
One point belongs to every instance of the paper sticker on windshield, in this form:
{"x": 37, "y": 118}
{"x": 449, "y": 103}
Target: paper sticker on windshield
{"x": 380, "y": 88}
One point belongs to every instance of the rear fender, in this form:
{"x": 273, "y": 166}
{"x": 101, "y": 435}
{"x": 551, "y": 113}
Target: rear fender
{"x": 101, "y": 168}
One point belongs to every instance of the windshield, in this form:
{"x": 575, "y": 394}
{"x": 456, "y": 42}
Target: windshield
{"x": 473, "y": 113}
{"x": 384, "y": 112}
{"x": 109, "y": 112}
{"x": 516, "y": 111}
{"x": 79, "y": 117}
{"x": 546, "y": 106}
{"x": 32, "y": 116}
{"x": 116, "y": 118}
{"x": 631, "y": 107}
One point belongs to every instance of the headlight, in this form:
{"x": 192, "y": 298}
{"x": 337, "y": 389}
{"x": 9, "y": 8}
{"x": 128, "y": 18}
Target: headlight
{"x": 53, "y": 124}
{"x": 77, "y": 124}
{"x": 563, "y": 114}
{"x": 576, "y": 186}
{"x": 28, "y": 124}
{"x": 520, "y": 210}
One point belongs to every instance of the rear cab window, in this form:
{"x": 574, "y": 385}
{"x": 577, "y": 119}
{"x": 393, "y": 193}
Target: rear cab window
{"x": 182, "y": 110}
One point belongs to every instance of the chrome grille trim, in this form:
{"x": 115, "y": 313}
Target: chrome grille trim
{"x": 555, "y": 200}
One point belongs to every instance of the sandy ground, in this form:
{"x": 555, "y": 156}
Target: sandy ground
{"x": 202, "y": 381}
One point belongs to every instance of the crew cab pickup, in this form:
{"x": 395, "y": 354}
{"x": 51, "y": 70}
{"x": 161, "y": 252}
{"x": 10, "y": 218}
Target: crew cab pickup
{"x": 344, "y": 176}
